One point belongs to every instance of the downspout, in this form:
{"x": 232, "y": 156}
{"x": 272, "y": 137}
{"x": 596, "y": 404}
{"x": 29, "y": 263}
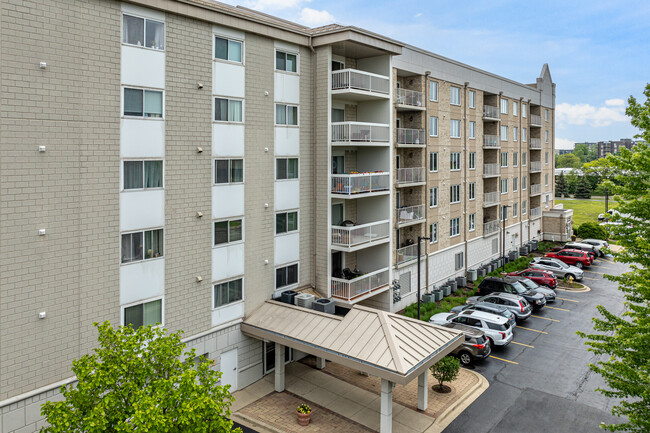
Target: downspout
{"x": 521, "y": 191}
{"x": 313, "y": 159}
{"x": 465, "y": 167}
{"x": 426, "y": 173}
{"x": 529, "y": 181}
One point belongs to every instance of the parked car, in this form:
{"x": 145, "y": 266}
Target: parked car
{"x": 542, "y": 278}
{"x": 595, "y": 251}
{"x": 598, "y": 243}
{"x": 492, "y": 284}
{"x": 577, "y": 258}
{"x": 518, "y": 305}
{"x": 488, "y": 308}
{"x": 548, "y": 293}
{"x": 476, "y": 345}
{"x": 496, "y": 328}
{"x": 557, "y": 267}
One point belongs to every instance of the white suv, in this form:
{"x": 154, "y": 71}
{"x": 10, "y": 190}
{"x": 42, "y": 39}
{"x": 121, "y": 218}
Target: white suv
{"x": 496, "y": 328}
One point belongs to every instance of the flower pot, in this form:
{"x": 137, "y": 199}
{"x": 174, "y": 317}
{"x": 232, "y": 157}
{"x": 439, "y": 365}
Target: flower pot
{"x": 303, "y": 418}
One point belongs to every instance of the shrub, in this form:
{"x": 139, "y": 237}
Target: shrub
{"x": 445, "y": 370}
{"x": 591, "y": 230}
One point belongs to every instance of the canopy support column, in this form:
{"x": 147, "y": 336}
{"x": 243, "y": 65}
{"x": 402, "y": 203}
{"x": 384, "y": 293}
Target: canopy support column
{"x": 423, "y": 390}
{"x": 386, "y": 421}
{"x": 279, "y": 368}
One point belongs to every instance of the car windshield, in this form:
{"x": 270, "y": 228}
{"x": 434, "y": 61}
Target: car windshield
{"x": 529, "y": 283}
{"x": 517, "y": 287}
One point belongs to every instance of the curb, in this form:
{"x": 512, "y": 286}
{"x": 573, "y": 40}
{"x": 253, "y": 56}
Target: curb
{"x": 585, "y": 289}
{"x": 452, "y": 412}
{"x": 255, "y": 424}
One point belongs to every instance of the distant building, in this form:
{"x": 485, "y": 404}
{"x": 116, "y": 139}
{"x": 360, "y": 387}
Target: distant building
{"x": 563, "y": 151}
{"x": 566, "y": 171}
{"x": 606, "y": 147}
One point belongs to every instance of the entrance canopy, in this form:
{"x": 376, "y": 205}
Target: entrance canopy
{"x": 393, "y": 347}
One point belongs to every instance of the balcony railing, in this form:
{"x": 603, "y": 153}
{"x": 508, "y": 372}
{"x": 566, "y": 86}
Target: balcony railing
{"x": 535, "y": 188}
{"x": 535, "y": 120}
{"x": 490, "y": 227}
{"x": 410, "y": 214}
{"x": 490, "y": 112}
{"x": 535, "y": 166}
{"x": 535, "y": 143}
{"x": 491, "y": 170}
{"x": 536, "y": 212}
{"x": 491, "y": 198}
{"x": 350, "y": 289}
{"x": 353, "y": 79}
{"x": 491, "y": 141}
{"x": 361, "y": 234}
{"x": 360, "y": 183}
{"x": 410, "y": 136}
{"x": 410, "y": 175}
{"x": 409, "y": 97}
{"x": 360, "y": 132}
{"x": 406, "y": 254}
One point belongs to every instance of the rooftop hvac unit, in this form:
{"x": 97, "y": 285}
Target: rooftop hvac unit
{"x": 324, "y": 305}
{"x": 304, "y": 300}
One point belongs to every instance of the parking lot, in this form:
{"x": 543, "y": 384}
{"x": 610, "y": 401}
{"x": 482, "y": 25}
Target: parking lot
{"x": 541, "y": 381}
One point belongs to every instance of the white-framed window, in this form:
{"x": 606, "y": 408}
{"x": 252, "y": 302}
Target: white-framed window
{"x": 454, "y": 227}
{"x": 523, "y": 207}
{"x": 143, "y": 32}
{"x": 546, "y": 158}
{"x": 472, "y": 129}
{"x": 287, "y": 62}
{"x": 515, "y": 108}
{"x": 286, "y": 222}
{"x": 142, "y": 245}
{"x": 515, "y": 184}
{"x": 143, "y": 103}
{"x": 454, "y": 194}
{"x": 228, "y": 231}
{"x": 546, "y": 179}
{"x": 504, "y": 186}
{"x": 546, "y": 115}
{"x": 433, "y": 126}
{"x": 472, "y": 160}
{"x": 504, "y": 213}
{"x": 454, "y": 128}
{"x": 524, "y": 158}
{"x": 228, "y": 110}
{"x": 147, "y": 174}
{"x": 504, "y": 106}
{"x": 472, "y": 99}
{"x": 472, "y": 190}
{"x": 523, "y": 110}
{"x": 515, "y": 133}
{"x": 524, "y": 135}
{"x": 286, "y": 168}
{"x": 228, "y": 171}
{"x": 545, "y": 136}
{"x": 433, "y": 91}
{"x": 433, "y": 233}
{"x": 472, "y": 222}
{"x": 524, "y": 181}
{"x": 433, "y": 197}
{"x": 515, "y": 159}
{"x": 454, "y": 95}
{"x": 228, "y": 49}
{"x": 504, "y": 159}
{"x": 459, "y": 260}
{"x": 286, "y": 276}
{"x": 547, "y": 198}
{"x": 286, "y": 114}
{"x": 514, "y": 209}
{"x": 143, "y": 314}
{"x": 227, "y": 292}
{"x": 504, "y": 133}
{"x": 454, "y": 161}
{"x": 433, "y": 161}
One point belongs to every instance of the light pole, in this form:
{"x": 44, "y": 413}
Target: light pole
{"x": 504, "y": 210}
{"x": 420, "y": 238}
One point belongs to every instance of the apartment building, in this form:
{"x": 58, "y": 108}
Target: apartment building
{"x": 182, "y": 162}
{"x": 613, "y": 146}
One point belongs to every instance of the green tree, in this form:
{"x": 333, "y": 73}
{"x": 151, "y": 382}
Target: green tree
{"x": 445, "y": 370}
{"x": 561, "y": 187}
{"x": 585, "y": 153}
{"x": 141, "y": 381}
{"x": 568, "y": 160}
{"x": 623, "y": 341}
{"x": 572, "y": 181}
{"x": 590, "y": 230}
{"x": 583, "y": 190}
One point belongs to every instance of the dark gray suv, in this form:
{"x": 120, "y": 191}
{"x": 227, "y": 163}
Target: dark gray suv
{"x": 493, "y": 284}
{"x": 476, "y": 345}
{"x": 515, "y": 303}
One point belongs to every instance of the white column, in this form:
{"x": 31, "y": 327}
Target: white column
{"x": 386, "y": 421}
{"x": 320, "y": 363}
{"x": 423, "y": 390}
{"x": 279, "y": 367}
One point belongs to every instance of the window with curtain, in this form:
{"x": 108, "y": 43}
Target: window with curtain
{"x": 472, "y": 129}
{"x": 286, "y": 61}
{"x": 472, "y": 222}
{"x": 472, "y": 190}
{"x": 145, "y": 314}
{"x": 286, "y": 168}
{"x": 433, "y": 126}
{"x": 454, "y": 192}
{"x": 227, "y": 49}
{"x": 228, "y": 171}
{"x": 143, "y": 174}
{"x": 504, "y": 133}
{"x": 454, "y": 161}
{"x": 454, "y": 95}
{"x": 286, "y": 222}
{"x": 504, "y": 106}
{"x": 228, "y": 110}
{"x": 132, "y": 247}
{"x": 286, "y": 114}
{"x": 433, "y": 161}
{"x": 472, "y": 99}
{"x": 454, "y": 227}
{"x": 228, "y": 292}
{"x": 143, "y": 103}
{"x": 143, "y": 32}
{"x": 454, "y": 128}
{"x": 515, "y": 133}
{"x": 142, "y": 245}
{"x": 433, "y": 197}
{"x": 155, "y": 34}
{"x": 515, "y": 108}
{"x": 472, "y": 160}
{"x": 433, "y": 91}
{"x": 286, "y": 276}
{"x": 153, "y": 243}
{"x": 433, "y": 233}
{"x": 228, "y": 231}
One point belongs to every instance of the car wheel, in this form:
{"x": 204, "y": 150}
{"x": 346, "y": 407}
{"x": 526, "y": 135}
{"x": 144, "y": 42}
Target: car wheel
{"x": 465, "y": 358}
{"x": 579, "y": 265}
{"x": 567, "y": 276}
{"x": 491, "y": 342}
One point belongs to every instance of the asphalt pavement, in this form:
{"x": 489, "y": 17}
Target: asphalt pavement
{"x": 541, "y": 382}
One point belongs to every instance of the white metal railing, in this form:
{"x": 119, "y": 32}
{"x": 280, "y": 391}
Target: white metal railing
{"x": 410, "y": 213}
{"x": 406, "y": 254}
{"x": 491, "y": 198}
{"x": 361, "y": 234}
{"x": 350, "y": 289}
{"x": 535, "y": 166}
{"x": 536, "y": 212}
{"x": 535, "y": 120}
{"x": 490, "y": 227}
{"x": 360, "y": 132}
{"x": 535, "y": 188}
{"x": 410, "y": 175}
{"x": 535, "y": 143}
{"x": 410, "y": 136}
{"x": 359, "y": 183}
{"x": 360, "y": 80}
{"x": 491, "y": 169}
{"x": 409, "y": 97}
{"x": 491, "y": 141}
{"x": 491, "y": 112}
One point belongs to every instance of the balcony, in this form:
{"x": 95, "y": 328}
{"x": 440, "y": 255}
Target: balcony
{"x": 490, "y": 227}
{"x": 535, "y": 166}
{"x": 361, "y": 236}
{"x": 536, "y": 212}
{"x": 410, "y": 137}
{"x": 410, "y": 176}
{"x": 491, "y": 113}
{"x": 408, "y": 100}
{"x": 535, "y": 120}
{"x": 491, "y": 142}
{"x": 491, "y": 170}
{"x": 410, "y": 215}
{"x": 349, "y": 290}
{"x": 360, "y": 184}
{"x": 491, "y": 199}
{"x": 360, "y": 134}
{"x": 535, "y": 189}
{"x": 355, "y": 85}
{"x": 535, "y": 143}
{"x": 407, "y": 254}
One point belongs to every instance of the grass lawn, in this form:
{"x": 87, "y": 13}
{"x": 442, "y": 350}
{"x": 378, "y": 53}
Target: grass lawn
{"x": 585, "y": 210}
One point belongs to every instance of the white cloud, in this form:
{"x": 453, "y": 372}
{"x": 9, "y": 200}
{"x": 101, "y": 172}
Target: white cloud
{"x": 582, "y": 114}
{"x": 314, "y": 18}
{"x": 563, "y": 143}
{"x": 615, "y": 102}
{"x": 263, "y": 5}
{"x": 418, "y": 15}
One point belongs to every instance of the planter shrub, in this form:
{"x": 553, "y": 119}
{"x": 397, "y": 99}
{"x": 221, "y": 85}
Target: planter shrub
{"x": 591, "y": 231}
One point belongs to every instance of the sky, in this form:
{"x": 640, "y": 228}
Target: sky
{"x": 598, "y": 51}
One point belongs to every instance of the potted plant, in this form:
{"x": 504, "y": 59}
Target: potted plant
{"x": 304, "y": 414}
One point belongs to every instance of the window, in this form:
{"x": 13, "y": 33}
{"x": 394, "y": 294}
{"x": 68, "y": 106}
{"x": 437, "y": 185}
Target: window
{"x": 546, "y": 115}
{"x": 504, "y": 213}
{"x": 523, "y": 207}
{"x": 459, "y": 260}
{"x": 227, "y": 49}
{"x": 454, "y": 163}
{"x": 143, "y": 103}
{"x": 229, "y": 231}
{"x": 143, "y": 174}
{"x": 523, "y": 110}
{"x": 515, "y": 108}
{"x": 454, "y": 128}
{"x": 472, "y": 190}
{"x": 515, "y": 184}
{"x": 524, "y": 181}
{"x": 504, "y": 106}
{"x": 515, "y": 133}
{"x": 504, "y": 186}
{"x": 228, "y": 171}
{"x": 433, "y": 91}
{"x": 433, "y": 233}
{"x": 454, "y": 194}
{"x": 454, "y": 227}
{"x": 514, "y": 210}
{"x": 433, "y": 126}
{"x": 546, "y": 179}
{"x": 454, "y": 97}
{"x": 472, "y": 99}
{"x": 472, "y": 222}
{"x": 143, "y": 32}
{"x": 433, "y": 197}
{"x": 132, "y": 245}
{"x": 286, "y": 114}
{"x": 286, "y": 61}
{"x": 227, "y": 110}
{"x": 546, "y": 157}
{"x": 515, "y": 159}
{"x": 546, "y": 136}
{"x": 524, "y": 158}
{"x": 523, "y": 134}
{"x": 286, "y": 168}
{"x": 286, "y": 276}
{"x": 286, "y": 222}
{"x": 228, "y": 292}
{"x": 145, "y": 314}
{"x": 504, "y": 159}
{"x": 472, "y": 160}
{"x": 433, "y": 161}
{"x": 472, "y": 129}
{"x": 504, "y": 133}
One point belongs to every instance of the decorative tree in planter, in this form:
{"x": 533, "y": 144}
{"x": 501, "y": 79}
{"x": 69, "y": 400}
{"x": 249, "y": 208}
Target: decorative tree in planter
{"x": 445, "y": 370}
